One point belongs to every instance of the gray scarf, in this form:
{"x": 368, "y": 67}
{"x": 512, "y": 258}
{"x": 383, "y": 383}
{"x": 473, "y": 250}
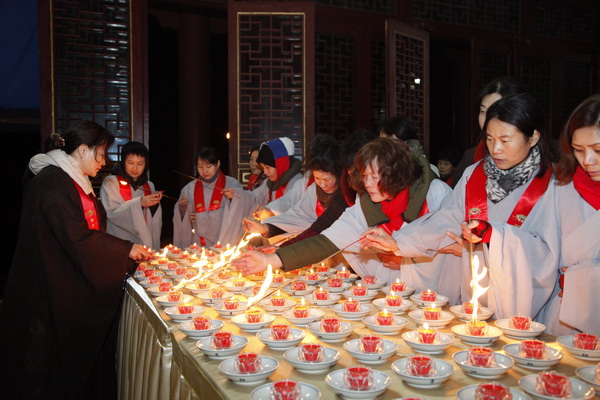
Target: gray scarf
{"x": 501, "y": 183}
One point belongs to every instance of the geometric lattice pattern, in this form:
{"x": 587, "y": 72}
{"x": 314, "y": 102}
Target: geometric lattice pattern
{"x": 492, "y": 14}
{"x": 577, "y": 84}
{"x": 492, "y": 65}
{"x": 91, "y": 61}
{"x": 409, "y": 70}
{"x": 271, "y": 79}
{"x": 334, "y": 81}
{"x": 538, "y": 81}
{"x": 377, "y": 83}
{"x": 564, "y": 21}
{"x": 382, "y": 6}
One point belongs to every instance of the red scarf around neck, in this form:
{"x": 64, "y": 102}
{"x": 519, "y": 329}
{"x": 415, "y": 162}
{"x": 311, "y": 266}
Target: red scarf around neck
{"x": 90, "y": 211}
{"x": 127, "y": 191}
{"x": 587, "y": 188}
{"x": 215, "y": 199}
{"x": 394, "y": 209}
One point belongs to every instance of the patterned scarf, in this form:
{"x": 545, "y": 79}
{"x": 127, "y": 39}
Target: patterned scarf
{"x": 501, "y": 182}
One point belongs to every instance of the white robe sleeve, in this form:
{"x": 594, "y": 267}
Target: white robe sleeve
{"x": 293, "y": 192}
{"x": 301, "y": 216}
{"x": 182, "y": 227}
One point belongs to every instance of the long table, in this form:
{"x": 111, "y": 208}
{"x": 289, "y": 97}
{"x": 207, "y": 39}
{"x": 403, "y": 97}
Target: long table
{"x": 158, "y": 361}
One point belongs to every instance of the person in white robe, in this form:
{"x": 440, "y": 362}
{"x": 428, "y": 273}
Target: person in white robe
{"x": 575, "y": 302}
{"x": 504, "y": 205}
{"x": 131, "y": 200}
{"x": 395, "y": 187}
{"x": 201, "y": 214}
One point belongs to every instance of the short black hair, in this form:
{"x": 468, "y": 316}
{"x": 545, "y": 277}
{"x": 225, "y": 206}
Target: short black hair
{"x": 324, "y": 155}
{"x": 401, "y": 127}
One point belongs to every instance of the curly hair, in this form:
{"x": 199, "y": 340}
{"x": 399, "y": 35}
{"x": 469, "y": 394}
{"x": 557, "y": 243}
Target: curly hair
{"x": 397, "y": 167}
{"x": 586, "y": 114}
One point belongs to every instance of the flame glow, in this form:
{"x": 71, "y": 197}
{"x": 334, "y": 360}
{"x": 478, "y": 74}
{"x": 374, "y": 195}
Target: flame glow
{"x": 476, "y": 289}
{"x": 263, "y": 288}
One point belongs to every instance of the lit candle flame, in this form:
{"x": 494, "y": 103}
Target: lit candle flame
{"x": 263, "y": 288}
{"x": 476, "y": 289}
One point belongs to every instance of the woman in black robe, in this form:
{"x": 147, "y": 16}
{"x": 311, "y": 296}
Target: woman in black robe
{"x": 60, "y": 312}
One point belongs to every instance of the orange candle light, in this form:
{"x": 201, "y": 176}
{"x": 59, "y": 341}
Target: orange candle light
{"x": 392, "y": 300}
{"x": 476, "y": 328}
{"x": 343, "y": 274}
{"x": 311, "y": 275}
{"x": 278, "y": 300}
{"x": 384, "y": 318}
{"x": 398, "y": 286}
{"x": 427, "y": 335}
{"x": 350, "y": 305}
{"x": 321, "y": 294}
{"x": 301, "y": 310}
{"x": 431, "y": 313}
{"x": 359, "y": 290}
{"x": 428, "y": 295}
{"x": 185, "y": 308}
{"x": 254, "y": 316}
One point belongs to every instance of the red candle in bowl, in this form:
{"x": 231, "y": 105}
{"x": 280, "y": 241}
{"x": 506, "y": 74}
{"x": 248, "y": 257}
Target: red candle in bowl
{"x": 335, "y": 282}
{"x": 280, "y": 332}
{"x": 467, "y": 308}
{"x": 358, "y": 378}
{"x": 174, "y": 296}
{"x": 520, "y": 322}
{"x": 254, "y": 316}
{"x": 393, "y": 301}
{"x": 203, "y": 285}
{"x": 311, "y": 276}
{"x": 165, "y": 286}
{"x": 492, "y": 391}
{"x": 222, "y": 340}
{"x": 432, "y": 313}
{"x": 231, "y": 303}
{"x": 343, "y": 274}
{"x": 285, "y": 390}
{"x": 369, "y": 280}
{"x": 476, "y": 328}
{"x": 142, "y": 266}
{"x": 420, "y": 366}
{"x": 384, "y": 318}
{"x": 298, "y": 285}
{"x": 351, "y": 305}
{"x": 481, "y": 357}
{"x": 278, "y": 301}
{"x": 278, "y": 278}
{"x": 331, "y": 325}
{"x": 247, "y": 363}
{"x": 175, "y": 250}
{"x": 180, "y": 271}
{"x": 359, "y": 290}
{"x": 398, "y": 286}
{"x": 533, "y": 348}
{"x": 202, "y": 323}
{"x": 311, "y": 352}
{"x": 428, "y": 295}
{"x": 185, "y": 308}
{"x": 149, "y": 272}
{"x": 225, "y": 275}
{"x": 321, "y": 294}
{"x": 427, "y": 335}
{"x": 322, "y": 268}
{"x": 216, "y": 293}
{"x": 585, "y": 341}
{"x": 300, "y": 311}
{"x": 154, "y": 280}
{"x": 239, "y": 282}
{"x": 370, "y": 344}
{"x": 551, "y": 383}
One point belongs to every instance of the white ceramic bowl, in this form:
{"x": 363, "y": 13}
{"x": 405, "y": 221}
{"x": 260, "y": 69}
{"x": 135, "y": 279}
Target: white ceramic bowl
{"x": 553, "y": 357}
{"x": 266, "y": 304}
{"x": 145, "y": 284}
{"x": 335, "y": 380}
{"x": 333, "y": 298}
{"x": 225, "y": 313}
{"x": 503, "y": 364}
{"x": 307, "y": 392}
{"x": 154, "y": 292}
{"x": 206, "y": 299}
{"x": 204, "y": 344}
{"x": 389, "y": 349}
{"x": 314, "y": 314}
{"x": 273, "y": 285}
{"x": 445, "y": 318}
{"x": 187, "y": 327}
{"x": 381, "y": 304}
{"x": 313, "y": 282}
{"x": 353, "y": 316}
{"x": 296, "y": 337}
{"x": 587, "y": 374}
{"x": 405, "y": 293}
{"x": 536, "y": 329}
{"x": 412, "y": 339}
{"x": 492, "y": 336}
{"x": 227, "y": 368}
{"x": 164, "y": 300}
{"x": 334, "y": 337}
{"x": 345, "y": 286}
{"x": 331, "y": 358}
{"x": 468, "y": 393}
{"x": 367, "y": 297}
{"x": 394, "y": 329}
{"x": 567, "y": 343}
{"x": 443, "y": 371}
{"x": 193, "y": 287}
{"x": 439, "y": 302}
{"x": 484, "y": 314}
{"x": 241, "y": 322}
{"x": 173, "y": 313}
{"x": 297, "y": 293}
{"x": 350, "y": 278}
{"x": 375, "y": 286}
{"x": 579, "y": 390}
{"x": 238, "y": 289}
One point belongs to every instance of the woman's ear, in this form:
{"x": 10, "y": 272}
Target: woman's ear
{"x": 535, "y": 138}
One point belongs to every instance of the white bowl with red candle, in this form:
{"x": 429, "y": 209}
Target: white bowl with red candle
{"x": 229, "y": 307}
{"x": 443, "y": 371}
{"x": 394, "y": 287}
{"x": 336, "y": 285}
{"x": 241, "y": 321}
{"x": 237, "y": 343}
{"x": 314, "y": 314}
{"x": 238, "y": 285}
{"x": 152, "y": 283}
{"x": 368, "y": 296}
{"x": 329, "y": 358}
{"x": 184, "y": 312}
{"x": 398, "y": 310}
{"x": 273, "y": 339}
{"x": 371, "y": 282}
{"x": 374, "y": 322}
{"x": 552, "y": 357}
{"x": 568, "y": 343}
{"x": 362, "y": 354}
{"x": 170, "y": 300}
{"x": 277, "y": 307}
{"x": 335, "y": 380}
{"x": 535, "y": 329}
{"x": 253, "y": 374}
{"x": 201, "y": 286}
{"x": 488, "y": 336}
{"x": 298, "y": 288}
{"x": 423, "y": 343}
{"x": 420, "y": 317}
{"x": 306, "y": 391}
{"x": 483, "y": 362}
{"x": 345, "y": 330}
{"x": 579, "y": 390}
{"x": 588, "y": 375}
{"x": 214, "y": 295}
{"x": 483, "y": 313}
{"x": 428, "y": 298}
{"x": 468, "y": 392}
{"x": 315, "y": 300}
{"x": 346, "y": 310}
{"x": 190, "y": 329}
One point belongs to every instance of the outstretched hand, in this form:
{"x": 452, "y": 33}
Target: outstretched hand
{"x": 379, "y": 239}
{"x": 252, "y": 262}
{"x": 253, "y": 226}
{"x": 139, "y": 253}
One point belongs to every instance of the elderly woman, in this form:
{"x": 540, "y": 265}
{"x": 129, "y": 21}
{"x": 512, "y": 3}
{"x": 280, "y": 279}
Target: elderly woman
{"x": 498, "y": 203}
{"x": 575, "y": 304}
{"x": 202, "y": 213}
{"x": 60, "y": 312}
{"x": 394, "y": 189}
{"x": 131, "y": 201}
